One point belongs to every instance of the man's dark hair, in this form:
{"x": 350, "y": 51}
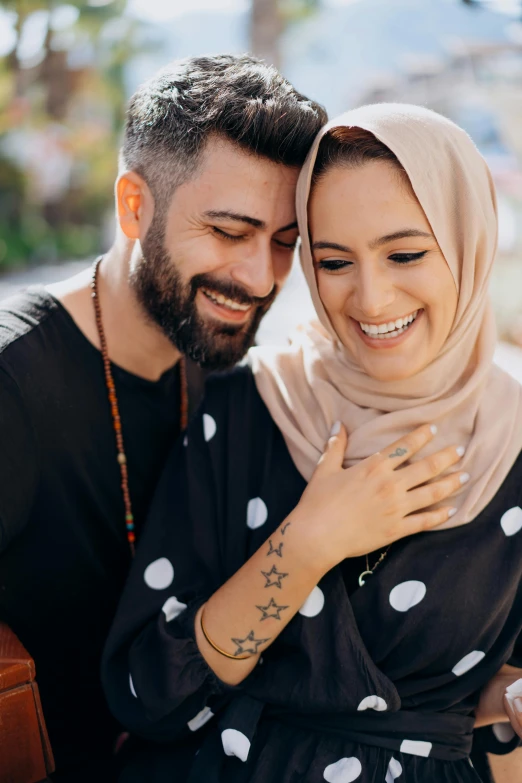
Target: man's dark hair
{"x": 240, "y": 98}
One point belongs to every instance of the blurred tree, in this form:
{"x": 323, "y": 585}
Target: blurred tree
{"x": 61, "y": 108}
{"x": 268, "y": 21}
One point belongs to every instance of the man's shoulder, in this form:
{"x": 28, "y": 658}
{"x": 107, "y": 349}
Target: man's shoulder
{"x": 21, "y": 315}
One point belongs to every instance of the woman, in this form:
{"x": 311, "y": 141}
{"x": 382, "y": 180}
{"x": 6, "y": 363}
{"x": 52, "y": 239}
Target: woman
{"x": 408, "y": 613}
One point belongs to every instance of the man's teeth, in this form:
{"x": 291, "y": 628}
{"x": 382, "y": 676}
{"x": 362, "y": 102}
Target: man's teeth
{"x": 222, "y": 300}
{"x": 391, "y": 329}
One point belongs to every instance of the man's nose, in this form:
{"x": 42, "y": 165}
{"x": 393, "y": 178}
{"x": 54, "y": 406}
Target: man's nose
{"x": 255, "y": 271}
{"x": 375, "y": 292}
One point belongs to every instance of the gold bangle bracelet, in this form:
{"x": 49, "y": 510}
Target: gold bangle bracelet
{"x": 218, "y": 649}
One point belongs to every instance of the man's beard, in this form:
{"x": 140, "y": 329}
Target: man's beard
{"x": 172, "y": 306}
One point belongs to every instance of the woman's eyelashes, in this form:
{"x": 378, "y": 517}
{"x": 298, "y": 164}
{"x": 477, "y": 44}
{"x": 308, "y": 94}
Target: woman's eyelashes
{"x": 336, "y": 264}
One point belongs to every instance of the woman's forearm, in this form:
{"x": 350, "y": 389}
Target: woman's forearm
{"x": 249, "y": 611}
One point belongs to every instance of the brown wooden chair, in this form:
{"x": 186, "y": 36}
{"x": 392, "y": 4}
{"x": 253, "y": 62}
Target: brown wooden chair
{"x": 25, "y": 752}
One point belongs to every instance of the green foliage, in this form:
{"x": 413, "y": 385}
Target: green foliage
{"x": 72, "y": 106}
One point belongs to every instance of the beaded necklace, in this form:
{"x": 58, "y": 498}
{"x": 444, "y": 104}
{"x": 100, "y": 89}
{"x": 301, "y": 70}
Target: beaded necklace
{"x": 115, "y": 411}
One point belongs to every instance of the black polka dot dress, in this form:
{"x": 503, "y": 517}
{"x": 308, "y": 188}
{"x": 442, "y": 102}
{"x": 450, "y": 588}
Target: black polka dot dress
{"x": 373, "y": 684}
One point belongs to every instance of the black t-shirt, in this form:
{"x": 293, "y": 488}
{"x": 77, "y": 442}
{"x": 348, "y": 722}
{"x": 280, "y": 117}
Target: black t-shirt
{"x": 63, "y": 550}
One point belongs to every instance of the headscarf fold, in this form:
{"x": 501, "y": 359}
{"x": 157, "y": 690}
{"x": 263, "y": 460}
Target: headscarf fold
{"x": 315, "y": 382}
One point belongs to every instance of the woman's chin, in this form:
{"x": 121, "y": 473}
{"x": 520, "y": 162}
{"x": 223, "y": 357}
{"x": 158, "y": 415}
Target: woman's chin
{"x": 388, "y": 368}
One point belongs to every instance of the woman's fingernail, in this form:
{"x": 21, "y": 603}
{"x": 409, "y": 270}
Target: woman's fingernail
{"x": 452, "y": 512}
{"x": 515, "y": 689}
{"x": 464, "y": 478}
{"x": 461, "y": 451}
{"x": 517, "y": 704}
{"x": 336, "y": 428}
{"x": 433, "y": 428}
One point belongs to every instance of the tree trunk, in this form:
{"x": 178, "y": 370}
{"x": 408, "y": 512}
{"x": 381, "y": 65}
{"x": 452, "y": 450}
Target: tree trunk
{"x": 266, "y": 27}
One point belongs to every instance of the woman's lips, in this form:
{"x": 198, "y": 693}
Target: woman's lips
{"x": 389, "y": 342}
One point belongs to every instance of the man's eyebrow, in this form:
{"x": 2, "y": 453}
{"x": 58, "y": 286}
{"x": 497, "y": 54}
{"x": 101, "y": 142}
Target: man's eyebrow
{"x": 227, "y": 215}
{"x": 407, "y": 232}
{"x": 287, "y": 228}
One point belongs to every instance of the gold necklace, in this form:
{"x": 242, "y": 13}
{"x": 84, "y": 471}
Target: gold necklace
{"x": 369, "y": 571}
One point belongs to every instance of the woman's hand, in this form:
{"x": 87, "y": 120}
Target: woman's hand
{"x": 501, "y": 700}
{"x": 350, "y": 512}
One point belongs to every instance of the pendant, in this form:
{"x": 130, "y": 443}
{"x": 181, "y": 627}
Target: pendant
{"x": 362, "y": 580}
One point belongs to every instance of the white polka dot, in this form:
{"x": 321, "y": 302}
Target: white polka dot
{"x": 200, "y": 719}
{"x": 132, "y": 690}
{"x": 504, "y": 732}
{"x": 257, "y": 513}
{"x": 416, "y": 747}
{"x": 468, "y": 662}
{"x": 235, "y": 743}
{"x": 313, "y": 604}
{"x": 209, "y": 427}
{"x": 407, "y": 594}
{"x": 159, "y": 574}
{"x": 343, "y": 771}
{"x": 511, "y": 521}
{"x": 394, "y": 771}
{"x": 172, "y": 607}
{"x": 372, "y": 703}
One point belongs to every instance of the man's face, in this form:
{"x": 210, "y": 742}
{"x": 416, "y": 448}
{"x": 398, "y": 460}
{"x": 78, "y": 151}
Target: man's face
{"x": 214, "y": 260}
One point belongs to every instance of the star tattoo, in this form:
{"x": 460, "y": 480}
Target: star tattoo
{"x": 275, "y": 613}
{"x": 275, "y": 550}
{"x": 273, "y": 577}
{"x": 285, "y": 528}
{"x": 248, "y": 645}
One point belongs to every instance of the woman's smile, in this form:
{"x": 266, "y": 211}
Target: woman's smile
{"x": 388, "y": 334}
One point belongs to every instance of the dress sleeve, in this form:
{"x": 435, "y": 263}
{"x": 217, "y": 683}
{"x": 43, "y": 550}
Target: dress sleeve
{"x": 157, "y": 683}
{"x": 19, "y": 461}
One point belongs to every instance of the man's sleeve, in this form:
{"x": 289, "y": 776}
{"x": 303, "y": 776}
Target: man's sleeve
{"x": 19, "y": 463}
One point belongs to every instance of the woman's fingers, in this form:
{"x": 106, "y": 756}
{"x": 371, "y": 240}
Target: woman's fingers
{"x": 430, "y": 467}
{"x": 513, "y": 705}
{"x": 425, "y": 520}
{"x": 404, "y": 448}
{"x": 429, "y": 494}
{"x": 332, "y": 458}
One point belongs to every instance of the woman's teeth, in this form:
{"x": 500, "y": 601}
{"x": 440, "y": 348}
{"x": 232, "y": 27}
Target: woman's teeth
{"x": 391, "y": 329}
{"x": 222, "y": 300}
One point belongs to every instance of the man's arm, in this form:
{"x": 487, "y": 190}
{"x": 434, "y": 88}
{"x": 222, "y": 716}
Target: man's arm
{"x": 19, "y": 460}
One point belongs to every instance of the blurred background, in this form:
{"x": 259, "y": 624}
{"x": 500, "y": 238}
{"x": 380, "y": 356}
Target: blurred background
{"x": 67, "y": 69}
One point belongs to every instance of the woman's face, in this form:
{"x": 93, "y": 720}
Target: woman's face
{"x": 382, "y": 278}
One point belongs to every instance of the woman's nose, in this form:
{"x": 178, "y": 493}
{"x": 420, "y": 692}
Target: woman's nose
{"x": 375, "y": 292}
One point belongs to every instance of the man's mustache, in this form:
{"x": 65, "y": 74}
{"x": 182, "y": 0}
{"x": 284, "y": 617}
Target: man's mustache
{"x": 231, "y": 290}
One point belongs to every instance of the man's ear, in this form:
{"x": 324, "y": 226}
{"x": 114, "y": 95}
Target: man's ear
{"x": 134, "y": 204}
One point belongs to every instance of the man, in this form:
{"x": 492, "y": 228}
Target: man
{"x": 205, "y": 233}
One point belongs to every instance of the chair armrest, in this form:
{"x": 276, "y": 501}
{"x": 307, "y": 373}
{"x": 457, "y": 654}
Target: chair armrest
{"x": 26, "y": 752}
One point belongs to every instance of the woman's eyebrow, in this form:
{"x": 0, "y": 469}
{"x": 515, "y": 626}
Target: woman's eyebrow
{"x": 330, "y": 246}
{"x": 404, "y": 234}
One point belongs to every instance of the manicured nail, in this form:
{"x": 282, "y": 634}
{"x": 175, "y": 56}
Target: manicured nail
{"x": 452, "y": 512}
{"x": 433, "y": 428}
{"x": 464, "y": 478}
{"x": 336, "y": 428}
{"x": 461, "y": 451}
{"x": 515, "y": 689}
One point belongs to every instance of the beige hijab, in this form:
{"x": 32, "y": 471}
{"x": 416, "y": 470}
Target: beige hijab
{"x": 314, "y": 382}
